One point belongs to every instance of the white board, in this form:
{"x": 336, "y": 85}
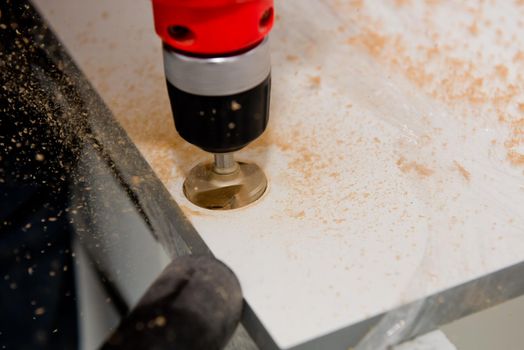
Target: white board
{"x": 394, "y": 151}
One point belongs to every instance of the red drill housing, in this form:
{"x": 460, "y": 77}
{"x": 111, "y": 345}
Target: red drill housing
{"x": 213, "y": 27}
{"x": 218, "y": 69}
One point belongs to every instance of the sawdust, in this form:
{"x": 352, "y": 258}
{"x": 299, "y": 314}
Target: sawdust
{"x": 519, "y": 57}
{"x": 309, "y": 164}
{"x": 315, "y": 81}
{"x": 420, "y": 169}
{"x": 502, "y": 71}
{"x": 400, "y": 3}
{"x": 516, "y": 140}
{"x": 308, "y": 171}
{"x": 270, "y": 138}
{"x": 515, "y": 158}
{"x": 189, "y": 212}
{"x": 436, "y": 70}
{"x": 371, "y": 40}
{"x": 465, "y": 174}
{"x": 297, "y": 215}
{"x": 357, "y": 3}
{"x": 474, "y": 28}
{"x": 156, "y": 134}
{"x": 146, "y": 116}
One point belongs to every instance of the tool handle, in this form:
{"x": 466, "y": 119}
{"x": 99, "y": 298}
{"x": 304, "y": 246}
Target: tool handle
{"x": 195, "y": 304}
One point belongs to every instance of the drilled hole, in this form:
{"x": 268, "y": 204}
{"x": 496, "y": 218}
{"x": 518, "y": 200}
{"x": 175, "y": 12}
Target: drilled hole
{"x": 181, "y": 34}
{"x": 266, "y": 19}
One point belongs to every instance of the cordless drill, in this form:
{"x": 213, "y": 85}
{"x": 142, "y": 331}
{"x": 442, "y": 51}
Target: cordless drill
{"x": 217, "y": 67}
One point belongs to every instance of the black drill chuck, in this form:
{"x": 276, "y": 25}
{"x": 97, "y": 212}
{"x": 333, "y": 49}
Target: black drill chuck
{"x": 221, "y": 124}
{"x": 219, "y": 104}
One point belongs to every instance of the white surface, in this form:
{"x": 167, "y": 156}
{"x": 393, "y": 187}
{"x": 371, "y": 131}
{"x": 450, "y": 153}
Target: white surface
{"x": 368, "y": 206}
